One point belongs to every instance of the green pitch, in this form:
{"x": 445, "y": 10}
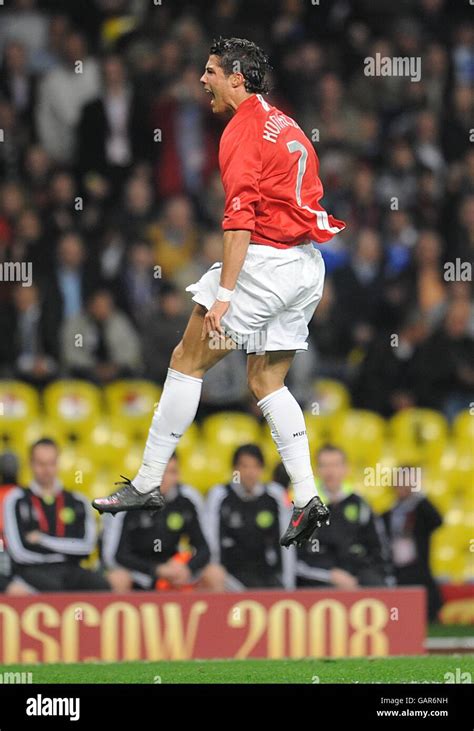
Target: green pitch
{"x": 425, "y": 669}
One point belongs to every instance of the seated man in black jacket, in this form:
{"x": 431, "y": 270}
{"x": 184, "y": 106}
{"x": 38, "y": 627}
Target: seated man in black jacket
{"x": 245, "y": 519}
{"x": 353, "y": 549}
{"x": 162, "y": 550}
{"x": 48, "y": 530}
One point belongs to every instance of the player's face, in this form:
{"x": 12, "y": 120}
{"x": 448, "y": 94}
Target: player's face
{"x": 44, "y": 464}
{"x": 217, "y": 85}
{"x": 332, "y": 470}
{"x": 250, "y": 471}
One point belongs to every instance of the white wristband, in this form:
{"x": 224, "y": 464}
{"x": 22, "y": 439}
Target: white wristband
{"x": 224, "y": 295}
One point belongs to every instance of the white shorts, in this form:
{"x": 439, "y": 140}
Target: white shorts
{"x": 275, "y": 297}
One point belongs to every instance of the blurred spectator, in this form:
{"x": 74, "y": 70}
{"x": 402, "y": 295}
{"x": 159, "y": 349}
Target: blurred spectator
{"x": 61, "y": 212}
{"x": 329, "y": 335}
{"x": 70, "y": 280}
{"x": 101, "y": 343}
{"x": 17, "y": 84}
{"x": 137, "y": 213}
{"x": 444, "y": 367}
{"x": 409, "y": 525}
{"x": 360, "y": 288}
{"x": 139, "y": 282}
{"x": 225, "y": 385}
{"x": 386, "y": 381}
{"x": 162, "y": 328}
{"x": 353, "y": 550}
{"x": 62, "y": 93}
{"x": 14, "y": 141}
{"x": 457, "y": 122}
{"x": 175, "y": 236}
{"x": 37, "y": 170}
{"x": 8, "y": 482}
{"x": 187, "y": 145}
{"x": 136, "y": 558}
{"x": 24, "y": 23}
{"x": 398, "y": 183}
{"x": 47, "y": 57}
{"x": 28, "y": 348}
{"x": 113, "y": 131}
{"x": 245, "y": 519}
{"x": 30, "y": 243}
{"x": 208, "y": 253}
{"x": 48, "y": 530}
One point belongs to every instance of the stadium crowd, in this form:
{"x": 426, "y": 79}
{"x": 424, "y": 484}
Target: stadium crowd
{"x": 111, "y": 191}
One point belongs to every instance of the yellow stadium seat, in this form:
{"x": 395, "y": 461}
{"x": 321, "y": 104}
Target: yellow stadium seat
{"x": 205, "y": 466}
{"x": 463, "y": 430}
{"x": 361, "y": 434}
{"x": 438, "y": 489}
{"x": 446, "y": 562}
{"x": 318, "y": 429}
{"x": 228, "y": 430}
{"x": 102, "y": 483}
{"x": 188, "y": 441}
{"x": 133, "y": 401}
{"x": 108, "y": 444}
{"x": 76, "y": 470}
{"x": 21, "y": 442}
{"x": 19, "y": 404}
{"x": 330, "y": 396}
{"x": 418, "y": 436}
{"x": 462, "y": 469}
{"x": 75, "y": 406}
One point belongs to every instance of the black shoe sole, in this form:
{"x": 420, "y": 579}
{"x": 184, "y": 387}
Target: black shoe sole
{"x": 128, "y": 508}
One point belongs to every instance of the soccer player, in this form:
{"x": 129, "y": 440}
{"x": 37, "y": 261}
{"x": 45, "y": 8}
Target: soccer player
{"x": 263, "y": 293}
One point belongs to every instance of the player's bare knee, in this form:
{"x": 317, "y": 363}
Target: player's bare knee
{"x": 177, "y": 355}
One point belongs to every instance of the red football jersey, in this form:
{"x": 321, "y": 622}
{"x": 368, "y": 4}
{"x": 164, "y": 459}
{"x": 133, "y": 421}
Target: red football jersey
{"x": 270, "y": 171}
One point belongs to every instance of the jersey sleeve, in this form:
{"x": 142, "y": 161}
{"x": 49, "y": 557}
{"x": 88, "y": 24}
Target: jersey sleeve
{"x": 240, "y": 160}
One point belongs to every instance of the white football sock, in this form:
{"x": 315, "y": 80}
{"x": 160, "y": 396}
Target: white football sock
{"x": 286, "y": 421}
{"x": 175, "y": 412}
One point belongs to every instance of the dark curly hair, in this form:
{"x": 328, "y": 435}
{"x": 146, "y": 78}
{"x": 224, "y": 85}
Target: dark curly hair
{"x": 245, "y": 57}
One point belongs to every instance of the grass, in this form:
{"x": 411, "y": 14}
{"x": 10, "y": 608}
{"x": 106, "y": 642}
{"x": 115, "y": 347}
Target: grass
{"x": 422, "y": 669}
{"x": 450, "y": 630}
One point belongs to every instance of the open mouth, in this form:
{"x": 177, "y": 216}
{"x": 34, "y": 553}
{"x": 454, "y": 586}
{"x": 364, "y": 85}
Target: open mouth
{"x": 211, "y": 94}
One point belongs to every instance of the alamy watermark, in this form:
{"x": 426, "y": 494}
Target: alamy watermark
{"x": 378, "y": 65}
{"x": 17, "y": 271}
{"x": 22, "y": 678}
{"x": 380, "y": 476}
{"x": 230, "y": 340}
